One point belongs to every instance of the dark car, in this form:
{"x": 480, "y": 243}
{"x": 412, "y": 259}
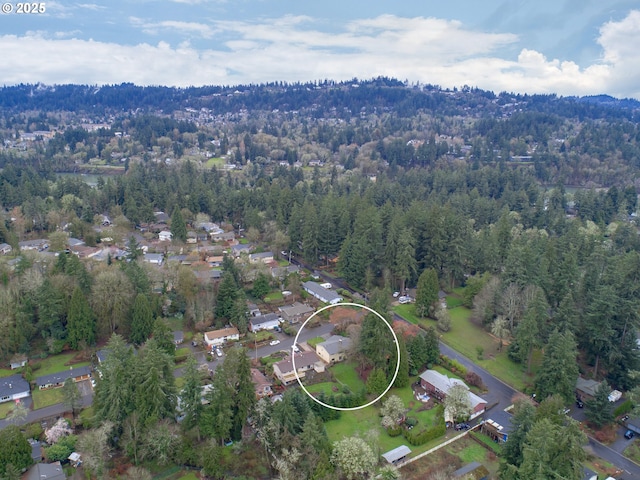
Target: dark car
{"x": 579, "y": 404}
{"x": 629, "y": 434}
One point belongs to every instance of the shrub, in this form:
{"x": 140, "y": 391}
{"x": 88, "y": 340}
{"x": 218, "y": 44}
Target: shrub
{"x": 415, "y": 437}
{"x": 624, "y": 408}
{"x": 472, "y": 378}
{"x": 394, "y": 431}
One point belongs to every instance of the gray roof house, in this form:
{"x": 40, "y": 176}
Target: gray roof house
{"x": 586, "y": 388}
{"x": 333, "y": 349}
{"x": 321, "y": 293}
{"x": 46, "y": 471}
{"x": 264, "y": 322}
{"x": 13, "y": 387}
{"x": 178, "y": 337}
{"x": 154, "y": 258}
{"x": 295, "y": 312}
{"x": 57, "y": 379}
{"x": 5, "y": 248}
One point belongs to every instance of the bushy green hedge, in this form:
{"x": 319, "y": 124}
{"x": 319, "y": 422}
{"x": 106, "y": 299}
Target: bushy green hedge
{"x": 394, "y": 431}
{"x": 419, "y": 437}
{"x": 623, "y": 408}
{"x": 453, "y": 365}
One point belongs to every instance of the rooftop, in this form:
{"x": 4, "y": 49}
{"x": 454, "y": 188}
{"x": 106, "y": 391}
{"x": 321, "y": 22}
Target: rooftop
{"x": 396, "y": 454}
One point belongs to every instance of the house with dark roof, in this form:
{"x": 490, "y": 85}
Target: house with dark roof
{"x": 55, "y": 380}
{"x": 264, "y": 257}
{"x": 13, "y": 387}
{"x": 472, "y": 471}
{"x": 178, "y": 337}
{"x": 321, "y": 293}
{"x": 333, "y": 349}
{"x": 586, "y": 388}
{"x": 264, "y": 322}
{"x": 18, "y": 361}
{"x": 154, "y": 258}
{"x": 45, "y": 471}
{"x": 296, "y": 312}
{"x": 5, "y": 248}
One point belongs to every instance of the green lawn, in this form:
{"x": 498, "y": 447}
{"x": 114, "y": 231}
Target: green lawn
{"x": 346, "y": 374}
{"x": 5, "y": 372}
{"x": 359, "y": 422}
{"x": 182, "y": 351}
{"x": 465, "y": 337}
{"x": 44, "y": 398}
{"x": 189, "y": 476}
{"x": 324, "y": 387}
{"x": 315, "y": 341}
{"x": 214, "y": 162}
{"x": 273, "y": 297}
{"x": 57, "y": 363}
{"x": 5, "y": 408}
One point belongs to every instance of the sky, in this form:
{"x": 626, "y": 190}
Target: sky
{"x": 567, "y": 47}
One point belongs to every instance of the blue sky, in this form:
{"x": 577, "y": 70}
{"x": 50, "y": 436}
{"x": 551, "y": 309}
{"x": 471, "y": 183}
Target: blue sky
{"x": 569, "y": 47}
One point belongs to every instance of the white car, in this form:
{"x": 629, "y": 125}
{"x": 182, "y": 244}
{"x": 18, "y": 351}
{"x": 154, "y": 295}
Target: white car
{"x": 218, "y": 352}
{"x": 396, "y": 294}
{"x": 296, "y": 349}
{"x": 274, "y": 342}
{"x": 404, "y": 299}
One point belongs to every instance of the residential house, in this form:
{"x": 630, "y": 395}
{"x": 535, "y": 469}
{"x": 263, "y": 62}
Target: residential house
{"x": 633, "y": 424}
{"x": 215, "y": 260}
{"x": 192, "y": 237}
{"x": 222, "y": 236}
{"x": 207, "y": 226}
{"x": 253, "y": 309}
{"x": 45, "y": 471}
{"x": 296, "y": 312}
{"x": 321, "y": 293}
{"x": 74, "y": 242}
{"x": 264, "y": 322}
{"x": 283, "y": 272}
{"x": 283, "y": 370}
{"x": 178, "y": 337}
{"x": 36, "y": 450}
{"x": 438, "y": 385}
{"x": 261, "y": 383}
{"x": 206, "y": 276}
{"x": 55, "y": 380}
{"x": 13, "y": 388}
{"x": 239, "y": 249}
{"x": 586, "y": 389}
{"x": 334, "y": 349}
{"x": 38, "y": 245}
{"x": 264, "y": 257}
{"x": 83, "y": 251}
{"x": 18, "y": 361}
{"x": 165, "y": 236}
{"x": 5, "y": 248}
{"x": 397, "y": 455}
{"x": 216, "y": 338}
{"x": 161, "y": 217}
{"x": 154, "y": 258}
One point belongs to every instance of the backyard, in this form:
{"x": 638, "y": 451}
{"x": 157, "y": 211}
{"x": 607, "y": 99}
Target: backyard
{"x": 56, "y": 363}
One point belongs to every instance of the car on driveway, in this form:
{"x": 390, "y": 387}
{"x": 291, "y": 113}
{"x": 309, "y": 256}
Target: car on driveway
{"x": 296, "y": 349}
{"x": 274, "y": 342}
{"x": 629, "y": 434}
{"x": 579, "y": 404}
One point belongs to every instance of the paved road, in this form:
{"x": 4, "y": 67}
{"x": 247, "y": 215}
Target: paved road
{"x": 48, "y": 412}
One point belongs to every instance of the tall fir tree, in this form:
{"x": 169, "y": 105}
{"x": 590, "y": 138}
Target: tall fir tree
{"x": 81, "y": 323}
{"x": 142, "y": 319}
{"x": 427, "y": 292}
{"x": 178, "y": 226}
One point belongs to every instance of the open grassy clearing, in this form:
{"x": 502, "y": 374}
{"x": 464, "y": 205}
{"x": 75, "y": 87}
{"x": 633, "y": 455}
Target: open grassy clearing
{"x": 465, "y": 337}
{"x": 44, "y": 398}
{"x": 273, "y": 297}
{"x": 5, "y": 408}
{"x": 5, "y": 372}
{"x": 214, "y": 162}
{"x": 57, "y": 363}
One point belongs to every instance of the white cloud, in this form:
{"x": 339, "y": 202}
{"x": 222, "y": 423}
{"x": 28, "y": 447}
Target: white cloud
{"x": 294, "y": 48}
{"x": 183, "y": 28}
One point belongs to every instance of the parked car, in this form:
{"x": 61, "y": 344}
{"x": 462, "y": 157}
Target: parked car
{"x": 218, "y": 352}
{"x": 296, "y": 349}
{"x": 462, "y": 426}
{"x": 629, "y": 434}
{"x": 274, "y": 342}
{"x": 579, "y": 404}
{"x": 404, "y": 299}
{"x": 396, "y": 294}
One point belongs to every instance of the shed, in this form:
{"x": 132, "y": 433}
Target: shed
{"x": 75, "y": 459}
{"x": 474, "y": 470}
{"x": 397, "y": 455}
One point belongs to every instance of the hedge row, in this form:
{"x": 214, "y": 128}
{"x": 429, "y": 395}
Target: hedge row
{"x": 421, "y": 437}
{"x": 453, "y": 365}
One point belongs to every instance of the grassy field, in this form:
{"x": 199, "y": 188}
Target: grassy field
{"x": 324, "y": 387}
{"x": 346, "y": 374}
{"x": 214, "y": 162}
{"x": 5, "y": 372}
{"x": 44, "y": 398}
{"x": 57, "y": 363}
{"x": 464, "y": 337}
{"x": 273, "y": 297}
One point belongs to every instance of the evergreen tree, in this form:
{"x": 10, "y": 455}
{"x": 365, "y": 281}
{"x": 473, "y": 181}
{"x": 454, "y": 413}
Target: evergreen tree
{"x": 404, "y": 262}
{"x": 72, "y": 395}
{"x": 81, "y": 324}
{"x": 427, "y": 292}
{"x": 14, "y": 450}
{"x": 228, "y": 293}
{"x": 191, "y": 394}
{"x": 598, "y": 410}
{"x": 164, "y": 337}
{"x": 402, "y": 380}
{"x": 155, "y": 395}
{"x": 178, "y": 226}
{"x": 521, "y": 422}
{"x": 559, "y": 370}
{"x": 261, "y": 286}
{"x": 141, "y": 320}
{"x": 377, "y": 382}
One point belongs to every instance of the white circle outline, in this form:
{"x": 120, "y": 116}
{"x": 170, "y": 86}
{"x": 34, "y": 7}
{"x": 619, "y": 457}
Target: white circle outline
{"x": 346, "y": 409}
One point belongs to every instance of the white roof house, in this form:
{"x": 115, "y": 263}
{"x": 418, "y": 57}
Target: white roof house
{"x": 165, "y": 236}
{"x": 321, "y": 293}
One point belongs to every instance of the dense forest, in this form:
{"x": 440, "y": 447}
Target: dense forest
{"x": 528, "y": 201}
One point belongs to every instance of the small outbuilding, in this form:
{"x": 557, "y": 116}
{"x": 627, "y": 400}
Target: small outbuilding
{"x": 397, "y": 455}
{"x": 473, "y": 470}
